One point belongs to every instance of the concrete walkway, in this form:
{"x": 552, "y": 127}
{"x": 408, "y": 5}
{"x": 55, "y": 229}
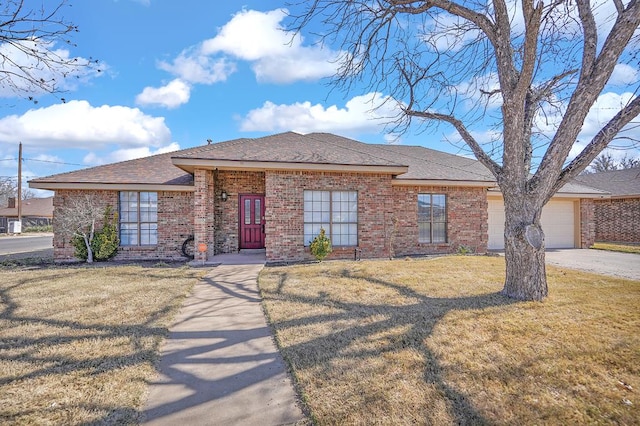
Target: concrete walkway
{"x": 220, "y": 364}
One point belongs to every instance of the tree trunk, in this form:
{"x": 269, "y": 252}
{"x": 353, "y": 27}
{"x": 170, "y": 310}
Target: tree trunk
{"x": 526, "y": 277}
{"x": 89, "y": 251}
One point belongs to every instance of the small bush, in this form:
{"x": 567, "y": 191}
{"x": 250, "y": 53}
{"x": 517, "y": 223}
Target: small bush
{"x": 105, "y": 240}
{"x": 321, "y": 245}
{"x": 462, "y": 250}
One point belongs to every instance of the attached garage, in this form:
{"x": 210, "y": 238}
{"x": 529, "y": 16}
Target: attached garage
{"x": 558, "y": 222}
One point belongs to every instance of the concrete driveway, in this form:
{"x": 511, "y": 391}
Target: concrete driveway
{"x": 625, "y": 265}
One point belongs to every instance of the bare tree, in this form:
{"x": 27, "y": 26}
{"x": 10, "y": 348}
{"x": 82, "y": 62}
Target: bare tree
{"x": 606, "y": 162}
{"x": 78, "y": 217}
{"x": 9, "y": 189}
{"x": 531, "y": 70}
{"x": 603, "y": 163}
{"x": 31, "y": 60}
{"x": 629, "y": 162}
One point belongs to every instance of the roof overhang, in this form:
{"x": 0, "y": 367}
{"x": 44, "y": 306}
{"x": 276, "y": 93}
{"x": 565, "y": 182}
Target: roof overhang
{"x": 443, "y": 182}
{"x": 190, "y": 164}
{"x": 54, "y": 186}
{"x": 574, "y": 195}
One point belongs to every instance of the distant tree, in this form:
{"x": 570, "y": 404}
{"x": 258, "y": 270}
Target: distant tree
{"x": 30, "y": 60}
{"x": 605, "y": 162}
{"x": 9, "y": 189}
{"x": 629, "y": 162}
{"x": 532, "y": 70}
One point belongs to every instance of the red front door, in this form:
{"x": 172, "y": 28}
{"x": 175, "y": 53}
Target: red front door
{"x": 251, "y": 221}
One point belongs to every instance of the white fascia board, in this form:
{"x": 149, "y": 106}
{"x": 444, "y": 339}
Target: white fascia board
{"x": 53, "y": 186}
{"x": 443, "y": 182}
{"x": 495, "y": 193}
{"x": 189, "y": 165}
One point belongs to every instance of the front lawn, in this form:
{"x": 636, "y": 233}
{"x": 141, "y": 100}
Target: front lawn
{"x": 430, "y": 341}
{"x": 623, "y": 248}
{"x": 78, "y": 344}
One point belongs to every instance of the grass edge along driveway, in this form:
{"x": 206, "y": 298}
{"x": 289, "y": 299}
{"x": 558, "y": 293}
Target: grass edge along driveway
{"x": 431, "y": 341}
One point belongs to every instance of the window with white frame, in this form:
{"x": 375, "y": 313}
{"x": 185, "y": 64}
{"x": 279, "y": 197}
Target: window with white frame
{"x": 432, "y": 218}
{"x": 138, "y": 218}
{"x": 336, "y": 212}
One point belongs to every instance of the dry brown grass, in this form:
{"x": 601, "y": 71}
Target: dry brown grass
{"x": 432, "y": 342}
{"x": 623, "y": 248}
{"x": 78, "y": 344}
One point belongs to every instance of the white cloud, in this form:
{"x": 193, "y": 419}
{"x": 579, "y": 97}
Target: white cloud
{"x": 276, "y": 55}
{"x": 624, "y": 74}
{"x": 60, "y": 72}
{"x": 77, "y": 124}
{"x": 604, "y": 109}
{"x": 362, "y": 114}
{"x": 251, "y": 35}
{"x": 194, "y": 67}
{"x": 174, "y": 94}
{"x": 127, "y": 154}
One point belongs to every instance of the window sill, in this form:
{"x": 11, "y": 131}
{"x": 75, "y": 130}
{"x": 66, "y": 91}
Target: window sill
{"x": 138, "y": 248}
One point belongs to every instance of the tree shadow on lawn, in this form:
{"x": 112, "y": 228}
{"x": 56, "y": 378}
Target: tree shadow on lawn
{"x": 56, "y": 352}
{"x": 420, "y": 317}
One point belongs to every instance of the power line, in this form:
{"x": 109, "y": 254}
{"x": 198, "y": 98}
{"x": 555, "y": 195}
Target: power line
{"x": 54, "y": 162}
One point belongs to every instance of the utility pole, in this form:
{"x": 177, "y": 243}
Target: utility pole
{"x": 19, "y": 197}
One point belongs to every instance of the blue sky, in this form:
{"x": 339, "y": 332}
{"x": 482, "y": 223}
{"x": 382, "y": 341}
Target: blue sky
{"x": 175, "y": 74}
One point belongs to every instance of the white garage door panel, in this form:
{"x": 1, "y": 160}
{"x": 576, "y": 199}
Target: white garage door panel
{"x": 558, "y": 223}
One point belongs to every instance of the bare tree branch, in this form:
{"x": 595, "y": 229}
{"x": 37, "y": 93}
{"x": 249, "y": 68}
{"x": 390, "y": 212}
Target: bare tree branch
{"x": 30, "y": 60}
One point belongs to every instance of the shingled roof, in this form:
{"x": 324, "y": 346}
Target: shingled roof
{"x": 315, "y": 151}
{"x": 620, "y": 183}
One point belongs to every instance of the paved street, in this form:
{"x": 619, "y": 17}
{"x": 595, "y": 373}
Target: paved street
{"x": 26, "y": 245}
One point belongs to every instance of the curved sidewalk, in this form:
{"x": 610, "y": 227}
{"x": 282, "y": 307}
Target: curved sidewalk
{"x": 220, "y": 364}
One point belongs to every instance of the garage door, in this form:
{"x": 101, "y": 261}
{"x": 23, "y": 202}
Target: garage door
{"x": 558, "y": 223}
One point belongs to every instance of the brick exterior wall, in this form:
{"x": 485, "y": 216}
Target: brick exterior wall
{"x": 467, "y": 220}
{"x": 175, "y": 224}
{"x": 203, "y": 213}
{"x": 587, "y": 223}
{"x": 387, "y": 216}
{"x": 617, "y": 220}
{"x": 234, "y": 183}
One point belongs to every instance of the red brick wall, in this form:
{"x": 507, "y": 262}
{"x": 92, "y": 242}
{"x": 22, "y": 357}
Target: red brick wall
{"x": 587, "y": 223}
{"x": 234, "y": 183}
{"x": 175, "y": 224}
{"x": 617, "y": 220}
{"x": 467, "y": 220}
{"x": 203, "y": 208}
{"x": 379, "y": 205}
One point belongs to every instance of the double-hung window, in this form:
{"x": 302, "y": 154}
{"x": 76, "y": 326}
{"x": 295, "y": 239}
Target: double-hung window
{"x": 336, "y": 212}
{"x": 432, "y": 218}
{"x": 138, "y": 218}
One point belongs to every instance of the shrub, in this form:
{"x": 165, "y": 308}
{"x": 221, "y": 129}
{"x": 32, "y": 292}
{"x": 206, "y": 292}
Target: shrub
{"x": 105, "y": 242}
{"x": 321, "y": 245}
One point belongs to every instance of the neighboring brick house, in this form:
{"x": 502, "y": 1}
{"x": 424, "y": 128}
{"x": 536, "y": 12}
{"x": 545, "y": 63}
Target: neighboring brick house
{"x": 617, "y": 219}
{"x": 35, "y": 212}
{"x": 275, "y": 193}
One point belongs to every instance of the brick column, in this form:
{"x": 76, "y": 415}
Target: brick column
{"x": 203, "y": 227}
{"x": 587, "y": 223}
